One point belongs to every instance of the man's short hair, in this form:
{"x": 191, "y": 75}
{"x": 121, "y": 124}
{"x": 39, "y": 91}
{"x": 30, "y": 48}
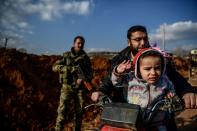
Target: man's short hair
{"x": 79, "y": 37}
{"x": 134, "y": 29}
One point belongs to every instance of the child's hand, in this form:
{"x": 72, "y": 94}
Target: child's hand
{"x": 170, "y": 95}
{"x": 79, "y": 81}
{"x": 124, "y": 66}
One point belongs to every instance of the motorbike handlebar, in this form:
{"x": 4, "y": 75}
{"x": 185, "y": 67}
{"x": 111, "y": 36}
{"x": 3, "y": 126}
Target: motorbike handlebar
{"x": 170, "y": 105}
{"x": 103, "y": 99}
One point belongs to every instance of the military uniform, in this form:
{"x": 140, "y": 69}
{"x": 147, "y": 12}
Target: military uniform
{"x": 68, "y": 75}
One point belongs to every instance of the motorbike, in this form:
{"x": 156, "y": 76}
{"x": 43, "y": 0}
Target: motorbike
{"x": 130, "y": 117}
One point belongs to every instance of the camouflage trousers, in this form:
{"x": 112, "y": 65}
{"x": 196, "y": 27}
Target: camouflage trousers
{"x": 67, "y": 94}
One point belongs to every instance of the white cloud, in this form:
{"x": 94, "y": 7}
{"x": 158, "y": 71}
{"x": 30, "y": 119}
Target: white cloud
{"x": 12, "y": 17}
{"x": 183, "y": 30}
{"x": 14, "y": 13}
{"x": 23, "y": 24}
{"x": 14, "y": 39}
{"x": 98, "y": 50}
{"x": 52, "y": 9}
{"x": 189, "y": 46}
{"x": 82, "y": 8}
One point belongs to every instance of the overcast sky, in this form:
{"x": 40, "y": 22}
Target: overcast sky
{"x": 49, "y": 26}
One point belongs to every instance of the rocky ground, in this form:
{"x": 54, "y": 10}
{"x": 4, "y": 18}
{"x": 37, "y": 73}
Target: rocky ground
{"x": 29, "y": 94}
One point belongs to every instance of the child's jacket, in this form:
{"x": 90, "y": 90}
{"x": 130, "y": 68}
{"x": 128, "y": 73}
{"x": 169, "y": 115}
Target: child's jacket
{"x": 136, "y": 90}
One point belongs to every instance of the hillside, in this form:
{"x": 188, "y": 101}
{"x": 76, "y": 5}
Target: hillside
{"x": 29, "y": 90}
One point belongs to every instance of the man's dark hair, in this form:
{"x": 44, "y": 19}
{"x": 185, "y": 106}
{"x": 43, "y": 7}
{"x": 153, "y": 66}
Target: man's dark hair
{"x": 134, "y": 29}
{"x": 79, "y": 37}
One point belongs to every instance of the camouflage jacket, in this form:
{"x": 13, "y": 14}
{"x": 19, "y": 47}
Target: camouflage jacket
{"x": 68, "y": 67}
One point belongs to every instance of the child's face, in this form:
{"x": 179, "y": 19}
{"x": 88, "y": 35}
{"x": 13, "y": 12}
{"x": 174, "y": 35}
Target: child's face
{"x": 150, "y": 69}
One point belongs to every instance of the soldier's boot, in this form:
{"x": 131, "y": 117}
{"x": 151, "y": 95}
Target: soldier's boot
{"x": 78, "y": 127}
{"x": 78, "y": 111}
{"x": 59, "y": 123}
{"x": 78, "y": 120}
{"x": 59, "y": 128}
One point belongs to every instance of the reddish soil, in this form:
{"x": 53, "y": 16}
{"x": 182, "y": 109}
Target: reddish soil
{"x": 187, "y": 119}
{"x": 29, "y": 93}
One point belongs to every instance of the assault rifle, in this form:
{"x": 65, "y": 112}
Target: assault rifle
{"x": 86, "y": 81}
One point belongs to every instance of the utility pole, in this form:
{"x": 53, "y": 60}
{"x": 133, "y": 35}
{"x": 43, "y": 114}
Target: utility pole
{"x": 163, "y": 37}
{"x": 6, "y": 42}
{"x": 4, "y": 39}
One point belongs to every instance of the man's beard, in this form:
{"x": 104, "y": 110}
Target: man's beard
{"x": 134, "y": 51}
{"x": 76, "y": 51}
{"x": 137, "y": 49}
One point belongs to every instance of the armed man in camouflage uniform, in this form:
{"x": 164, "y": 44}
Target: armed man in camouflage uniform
{"x": 72, "y": 81}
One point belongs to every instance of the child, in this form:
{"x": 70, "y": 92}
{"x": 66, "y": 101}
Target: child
{"x": 147, "y": 82}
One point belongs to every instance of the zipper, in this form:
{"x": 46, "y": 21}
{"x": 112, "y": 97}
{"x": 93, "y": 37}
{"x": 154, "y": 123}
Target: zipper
{"x": 148, "y": 96}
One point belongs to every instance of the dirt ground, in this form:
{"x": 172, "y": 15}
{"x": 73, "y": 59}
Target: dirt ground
{"x": 187, "y": 119}
{"x": 29, "y": 94}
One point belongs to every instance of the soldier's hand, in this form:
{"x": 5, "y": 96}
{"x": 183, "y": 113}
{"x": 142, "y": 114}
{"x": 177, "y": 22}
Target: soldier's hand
{"x": 79, "y": 81}
{"x": 64, "y": 69}
{"x": 95, "y": 96}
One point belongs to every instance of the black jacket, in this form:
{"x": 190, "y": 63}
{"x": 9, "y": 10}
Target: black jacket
{"x": 180, "y": 84}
